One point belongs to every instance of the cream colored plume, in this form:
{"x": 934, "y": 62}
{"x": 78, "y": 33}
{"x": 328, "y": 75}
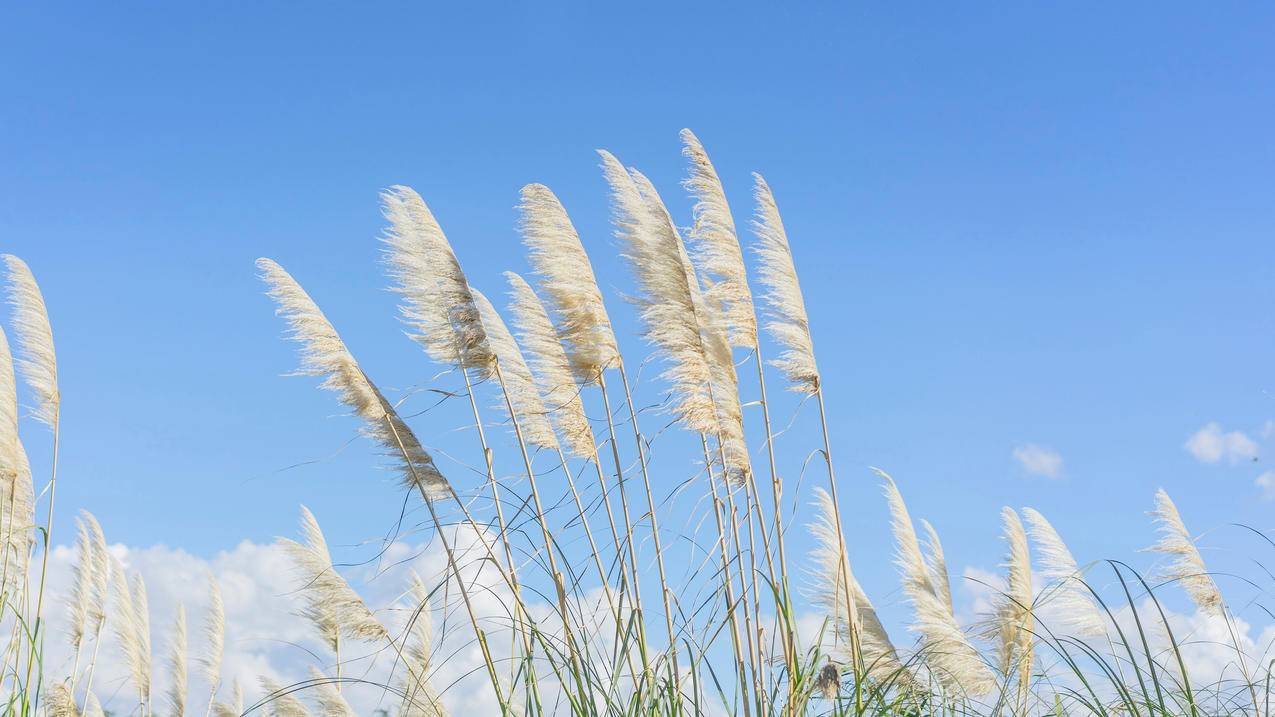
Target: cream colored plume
{"x": 101, "y": 573}
{"x": 38, "y": 362}
{"x": 81, "y": 597}
{"x": 233, "y": 708}
{"x": 1185, "y": 567}
{"x": 665, "y": 303}
{"x": 717, "y": 245}
{"x": 328, "y": 697}
{"x": 333, "y": 605}
{"x": 552, "y": 368}
{"x": 323, "y": 353}
{"x": 730, "y": 414}
{"x": 1014, "y": 608}
{"x": 132, "y": 630}
{"x": 420, "y": 699}
{"x": 437, "y": 303}
{"x": 833, "y": 580}
{"x": 520, "y": 387}
{"x": 947, "y": 651}
{"x": 142, "y": 611}
{"x": 787, "y": 323}
{"x": 281, "y": 702}
{"x": 1073, "y": 610}
{"x": 214, "y": 636}
{"x": 177, "y": 666}
{"x": 566, "y": 278}
{"x": 60, "y": 701}
{"x": 937, "y": 563}
{"x": 715, "y": 345}
{"x": 17, "y": 498}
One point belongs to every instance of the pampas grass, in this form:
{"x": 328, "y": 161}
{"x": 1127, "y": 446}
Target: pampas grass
{"x": 38, "y": 361}
{"x": 861, "y": 638}
{"x": 548, "y": 358}
{"x": 717, "y": 245}
{"x": 519, "y": 385}
{"x": 1068, "y": 596}
{"x": 177, "y": 666}
{"x": 324, "y": 354}
{"x": 333, "y": 607}
{"x": 948, "y": 652}
{"x": 437, "y": 303}
{"x": 694, "y": 308}
{"x": 131, "y": 618}
{"x": 566, "y": 277}
{"x": 788, "y": 323}
{"x": 1014, "y": 609}
{"x": 215, "y": 637}
{"x": 1185, "y": 565}
{"x": 665, "y": 304}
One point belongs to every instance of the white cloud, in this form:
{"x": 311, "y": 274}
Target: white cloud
{"x": 1211, "y": 444}
{"x": 1266, "y": 482}
{"x": 1039, "y": 460}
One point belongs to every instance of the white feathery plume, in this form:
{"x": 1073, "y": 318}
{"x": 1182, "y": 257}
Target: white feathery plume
{"x": 101, "y": 573}
{"x": 128, "y": 633}
{"x": 81, "y": 597}
{"x": 17, "y": 497}
{"x": 948, "y": 653}
{"x": 567, "y": 280}
{"x": 333, "y": 605}
{"x": 437, "y": 303}
{"x": 177, "y": 666}
{"x": 328, "y": 697}
{"x": 788, "y": 323}
{"x": 233, "y": 708}
{"x": 214, "y": 635}
{"x": 142, "y": 613}
{"x": 420, "y": 699}
{"x": 37, "y": 360}
{"x": 717, "y": 245}
{"x": 715, "y": 345}
{"x": 1014, "y": 609}
{"x": 832, "y": 578}
{"x": 1186, "y": 566}
{"x": 665, "y": 304}
{"x": 730, "y": 414}
{"x": 520, "y": 386}
{"x": 1075, "y": 612}
{"x": 92, "y": 708}
{"x": 323, "y": 353}
{"x": 937, "y": 562}
{"x": 551, "y": 366}
{"x": 280, "y": 702}
{"x": 60, "y": 701}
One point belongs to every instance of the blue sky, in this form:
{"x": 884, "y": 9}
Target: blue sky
{"x": 1015, "y": 225}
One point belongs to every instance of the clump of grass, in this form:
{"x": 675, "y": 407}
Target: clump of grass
{"x": 722, "y": 636}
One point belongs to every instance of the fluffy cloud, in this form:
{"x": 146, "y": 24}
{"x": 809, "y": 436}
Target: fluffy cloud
{"x": 1211, "y": 444}
{"x": 1266, "y": 483}
{"x": 266, "y": 636}
{"x": 1038, "y": 460}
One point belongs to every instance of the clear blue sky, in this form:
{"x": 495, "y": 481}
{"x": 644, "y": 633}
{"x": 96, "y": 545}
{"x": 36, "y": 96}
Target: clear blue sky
{"x": 1015, "y": 224}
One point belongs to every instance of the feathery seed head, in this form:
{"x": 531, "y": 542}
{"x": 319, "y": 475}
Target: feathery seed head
{"x": 519, "y": 385}
{"x": 717, "y": 245}
{"x": 567, "y": 280}
{"x": 788, "y": 323}
{"x": 324, "y": 354}
{"x": 551, "y": 366}
{"x": 38, "y": 361}
{"x": 437, "y": 303}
